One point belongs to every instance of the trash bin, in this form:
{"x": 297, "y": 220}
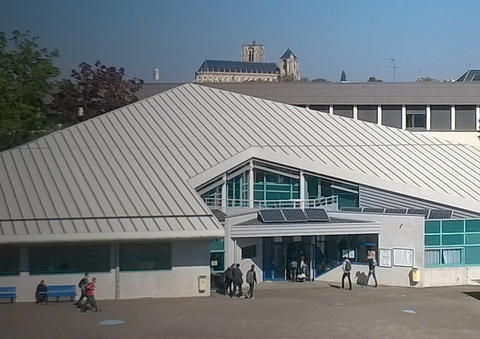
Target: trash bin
{"x": 415, "y": 275}
{"x": 202, "y": 283}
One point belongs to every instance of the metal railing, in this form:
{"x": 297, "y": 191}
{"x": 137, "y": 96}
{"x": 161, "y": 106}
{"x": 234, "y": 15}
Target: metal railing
{"x": 265, "y": 204}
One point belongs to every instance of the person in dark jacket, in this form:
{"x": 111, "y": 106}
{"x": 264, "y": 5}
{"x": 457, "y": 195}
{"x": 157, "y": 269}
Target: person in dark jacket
{"x": 237, "y": 281}
{"x": 83, "y": 290}
{"x": 229, "y": 280}
{"x": 41, "y": 293}
{"x": 251, "y": 278}
{"x": 371, "y": 267}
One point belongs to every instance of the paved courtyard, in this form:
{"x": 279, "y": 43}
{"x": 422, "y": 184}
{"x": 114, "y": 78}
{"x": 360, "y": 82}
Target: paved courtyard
{"x": 280, "y": 310}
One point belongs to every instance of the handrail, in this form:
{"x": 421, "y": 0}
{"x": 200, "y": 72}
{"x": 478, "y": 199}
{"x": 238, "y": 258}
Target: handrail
{"x": 265, "y": 204}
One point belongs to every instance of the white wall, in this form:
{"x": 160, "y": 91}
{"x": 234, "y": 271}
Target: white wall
{"x": 451, "y": 276}
{"x": 190, "y": 259}
{"x": 469, "y": 138}
{"x": 395, "y": 232}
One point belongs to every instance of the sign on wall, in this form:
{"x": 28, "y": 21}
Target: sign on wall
{"x": 403, "y": 257}
{"x": 350, "y": 254}
{"x": 385, "y": 257}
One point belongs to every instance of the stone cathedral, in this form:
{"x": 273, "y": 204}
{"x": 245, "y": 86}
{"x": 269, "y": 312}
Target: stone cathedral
{"x": 252, "y": 67}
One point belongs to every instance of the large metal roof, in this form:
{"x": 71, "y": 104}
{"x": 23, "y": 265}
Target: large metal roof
{"x": 131, "y": 173}
{"x": 238, "y": 66}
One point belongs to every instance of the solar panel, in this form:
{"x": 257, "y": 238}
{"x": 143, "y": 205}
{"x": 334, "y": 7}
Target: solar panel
{"x": 316, "y": 214}
{"x": 271, "y": 215}
{"x": 395, "y": 211}
{"x": 440, "y": 214}
{"x": 373, "y": 210}
{"x": 418, "y": 211}
{"x": 294, "y": 215}
{"x": 351, "y": 209}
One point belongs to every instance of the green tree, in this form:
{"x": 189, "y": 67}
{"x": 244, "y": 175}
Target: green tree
{"x": 374, "y": 79}
{"x": 426, "y": 79}
{"x": 26, "y": 79}
{"x": 343, "y": 76}
{"x": 96, "y": 90}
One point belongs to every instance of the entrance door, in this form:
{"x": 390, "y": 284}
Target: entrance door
{"x": 278, "y": 261}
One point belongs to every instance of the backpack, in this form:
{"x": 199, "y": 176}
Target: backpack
{"x": 82, "y": 283}
{"x": 348, "y": 266}
{"x": 250, "y": 275}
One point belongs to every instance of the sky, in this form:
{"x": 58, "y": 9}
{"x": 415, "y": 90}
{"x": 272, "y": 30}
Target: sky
{"x": 435, "y": 38}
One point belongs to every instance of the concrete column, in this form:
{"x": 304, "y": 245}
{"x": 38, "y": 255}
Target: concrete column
{"x": 224, "y": 193}
{"x": 302, "y": 189}
{"x": 404, "y": 117}
{"x": 116, "y": 262}
{"x": 379, "y": 115}
{"x": 477, "y": 111}
{"x": 452, "y": 117}
{"x": 330, "y": 109}
{"x": 428, "y": 118}
{"x": 250, "y": 185}
{"x": 355, "y": 112}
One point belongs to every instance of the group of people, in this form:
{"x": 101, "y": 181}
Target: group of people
{"x": 298, "y": 271}
{"x": 347, "y": 268}
{"x": 87, "y": 291}
{"x": 234, "y": 281}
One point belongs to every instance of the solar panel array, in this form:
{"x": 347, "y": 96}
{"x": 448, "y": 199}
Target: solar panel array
{"x": 440, "y": 214}
{"x": 293, "y": 215}
{"x": 428, "y": 214}
{"x": 317, "y": 214}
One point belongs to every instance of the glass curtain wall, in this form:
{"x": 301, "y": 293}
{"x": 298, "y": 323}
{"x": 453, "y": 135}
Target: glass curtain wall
{"x": 213, "y": 197}
{"x": 237, "y": 190}
{"x": 316, "y": 187}
{"x": 271, "y": 186}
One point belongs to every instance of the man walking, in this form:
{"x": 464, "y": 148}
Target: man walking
{"x": 237, "y": 280}
{"x": 229, "y": 280}
{"x": 83, "y": 290}
{"x": 91, "y": 302}
{"x": 346, "y": 267}
{"x": 371, "y": 267}
{"x": 251, "y": 280}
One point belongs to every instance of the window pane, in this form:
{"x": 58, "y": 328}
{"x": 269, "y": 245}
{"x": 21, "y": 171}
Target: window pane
{"x": 452, "y": 256}
{"x": 432, "y": 240}
{"x": 140, "y": 257}
{"x": 432, "y": 227}
{"x": 432, "y": 257}
{"x": 343, "y": 110}
{"x": 454, "y": 239}
{"x": 440, "y": 118}
{"x": 465, "y": 118}
{"x": 472, "y": 255}
{"x": 472, "y": 226}
{"x": 472, "y": 239}
{"x": 392, "y": 116}
{"x": 455, "y": 226}
{"x": 249, "y": 252}
{"x": 321, "y": 108}
{"x": 217, "y": 261}
{"x": 69, "y": 259}
{"x": 367, "y": 113}
{"x": 9, "y": 261}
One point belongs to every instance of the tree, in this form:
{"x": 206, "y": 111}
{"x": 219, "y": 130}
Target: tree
{"x": 373, "y": 79}
{"x": 319, "y": 80}
{"x": 287, "y": 78}
{"x": 343, "y": 77}
{"x": 96, "y": 90}
{"x": 426, "y": 79}
{"x": 26, "y": 80}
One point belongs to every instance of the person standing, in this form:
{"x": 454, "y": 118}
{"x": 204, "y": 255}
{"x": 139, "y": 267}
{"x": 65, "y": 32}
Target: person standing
{"x": 293, "y": 269}
{"x": 41, "y": 293}
{"x": 371, "y": 267}
{"x": 229, "y": 280}
{"x": 347, "y": 268}
{"x": 91, "y": 302}
{"x": 237, "y": 280}
{"x": 304, "y": 267}
{"x": 251, "y": 280}
{"x": 83, "y": 290}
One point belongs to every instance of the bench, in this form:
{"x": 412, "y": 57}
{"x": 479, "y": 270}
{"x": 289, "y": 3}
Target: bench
{"x": 58, "y": 291}
{"x": 9, "y": 292}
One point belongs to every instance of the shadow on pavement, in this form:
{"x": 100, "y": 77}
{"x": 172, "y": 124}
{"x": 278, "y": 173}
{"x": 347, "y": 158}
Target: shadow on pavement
{"x": 475, "y": 295}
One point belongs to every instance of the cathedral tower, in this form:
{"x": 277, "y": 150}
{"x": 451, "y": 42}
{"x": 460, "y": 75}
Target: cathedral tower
{"x": 253, "y": 52}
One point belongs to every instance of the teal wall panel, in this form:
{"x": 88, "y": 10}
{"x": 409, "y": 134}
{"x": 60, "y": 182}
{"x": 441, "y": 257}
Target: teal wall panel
{"x": 432, "y": 240}
{"x": 432, "y": 227}
{"x": 472, "y": 226}
{"x": 472, "y": 255}
{"x": 452, "y": 226}
{"x": 452, "y": 239}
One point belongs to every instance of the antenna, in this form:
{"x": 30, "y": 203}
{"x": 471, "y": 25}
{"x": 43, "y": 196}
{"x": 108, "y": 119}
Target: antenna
{"x": 394, "y": 65}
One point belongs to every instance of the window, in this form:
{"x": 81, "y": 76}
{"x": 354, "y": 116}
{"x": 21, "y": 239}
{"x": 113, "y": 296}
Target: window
{"x": 249, "y": 252}
{"x": 69, "y": 259}
{"x": 440, "y": 118}
{"x": 432, "y": 257}
{"x": 343, "y": 110}
{"x": 368, "y": 113}
{"x": 392, "y": 116}
{"x": 217, "y": 255}
{"x": 416, "y": 117}
{"x": 9, "y": 261}
{"x": 451, "y": 256}
{"x": 145, "y": 257}
{"x": 465, "y": 119}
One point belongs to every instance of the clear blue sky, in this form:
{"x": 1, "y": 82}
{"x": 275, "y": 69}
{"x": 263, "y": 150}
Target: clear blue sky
{"x": 437, "y": 38}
